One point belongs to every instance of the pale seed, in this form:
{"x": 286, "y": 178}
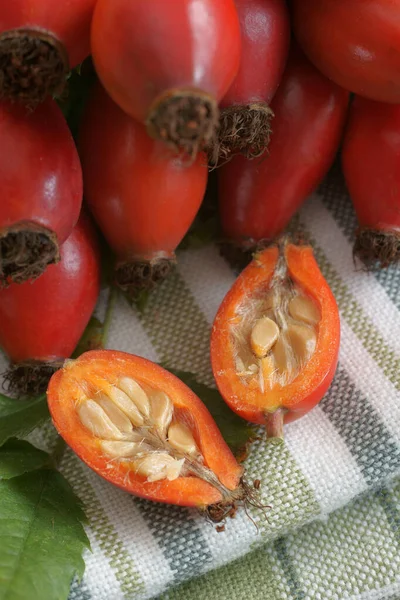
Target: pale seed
{"x": 281, "y": 355}
{"x": 121, "y": 449}
{"x": 94, "y": 418}
{"x": 136, "y": 393}
{"x": 159, "y": 466}
{"x": 116, "y": 415}
{"x": 161, "y": 411}
{"x": 303, "y": 341}
{"x": 302, "y": 308}
{"x": 126, "y": 405}
{"x": 263, "y": 336}
{"x": 180, "y": 437}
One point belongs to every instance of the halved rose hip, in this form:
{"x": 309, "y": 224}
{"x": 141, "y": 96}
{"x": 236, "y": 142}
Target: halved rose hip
{"x": 275, "y": 338}
{"x": 142, "y": 429}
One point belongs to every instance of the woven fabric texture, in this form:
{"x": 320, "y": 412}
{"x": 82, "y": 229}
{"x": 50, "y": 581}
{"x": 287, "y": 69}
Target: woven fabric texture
{"x": 333, "y": 529}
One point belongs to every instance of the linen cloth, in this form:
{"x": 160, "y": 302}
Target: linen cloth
{"x": 334, "y": 527}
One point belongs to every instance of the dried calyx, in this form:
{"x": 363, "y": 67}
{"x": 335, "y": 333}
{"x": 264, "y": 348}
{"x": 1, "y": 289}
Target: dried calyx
{"x": 139, "y": 426}
{"x": 29, "y": 378}
{"x": 243, "y": 129}
{"x": 33, "y": 65}
{"x": 25, "y": 252}
{"x": 274, "y": 336}
{"x": 133, "y": 277}
{"x": 185, "y": 119}
{"x": 377, "y": 248}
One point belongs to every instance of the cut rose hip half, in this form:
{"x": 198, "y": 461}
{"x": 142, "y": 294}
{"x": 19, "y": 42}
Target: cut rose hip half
{"x": 275, "y": 339}
{"x": 142, "y": 429}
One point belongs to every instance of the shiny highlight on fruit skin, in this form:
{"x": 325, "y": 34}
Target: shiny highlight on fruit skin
{"x": 168, "y": 64}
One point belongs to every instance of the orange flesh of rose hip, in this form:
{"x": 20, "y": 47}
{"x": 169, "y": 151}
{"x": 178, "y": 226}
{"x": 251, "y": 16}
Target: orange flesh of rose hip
{"x": 65, "y": 389}
{"x": 310, "y": 384}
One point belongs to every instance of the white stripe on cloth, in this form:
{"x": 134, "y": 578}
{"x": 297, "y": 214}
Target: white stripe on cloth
{"x": 325, "y": 460}
{"x": 208, "y": 277}
{"x": 127, "y": 334}
{"x": 370, "y": 380}
{"x": 134, "y": 534}
{"x": 234, "y": 542}
{"x": 391, "y": 592}
{"x": 365, "y": 289}
{"x": 99, "y": 576}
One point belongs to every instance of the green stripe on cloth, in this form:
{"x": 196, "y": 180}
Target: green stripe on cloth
{"x": 120, "y": 561}
{"x": 354, "y": 552}
{"x": 390, "y": 502}
{"x": 284, "y": 487}
{"x": 178, "y": 329}
{"x": 254, "y": 576}
{"x": 280, "y": 549}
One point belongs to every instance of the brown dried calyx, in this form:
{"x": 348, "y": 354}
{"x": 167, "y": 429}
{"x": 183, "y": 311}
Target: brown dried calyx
{"x": 139, "y": 426}
{"x": 243, "y": 129}
{"x": 25, "y": 252}
{"x": 186, "y": 120}
{"x": 29, "y": 378}
{"x": 375, "y": 247}
{"x": 33, "y": 65}
{"x": 132, "y": 277}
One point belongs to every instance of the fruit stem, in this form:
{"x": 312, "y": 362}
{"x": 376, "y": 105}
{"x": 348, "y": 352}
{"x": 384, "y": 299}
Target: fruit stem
{"x": 274, "y": 426}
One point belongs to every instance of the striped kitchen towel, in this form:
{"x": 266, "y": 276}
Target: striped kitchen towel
{"x": 346, "y": 447}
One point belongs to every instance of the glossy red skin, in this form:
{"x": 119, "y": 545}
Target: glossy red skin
{"x": 265, "y": 32}
{"x": 44, "y": 319}
{"x": 68, "y": 21}
{"x": 143, "y": 49}
{"x": 143, "y": 197}
{"x": 40, "y": 172}
{"x": 258, "y": 198}
{"x": 371, "y": 163}
{"x": 355, "y": 43}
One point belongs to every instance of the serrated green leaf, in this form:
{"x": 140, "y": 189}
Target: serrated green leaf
{"x": 18, "y": 457}
{"x": 42, "y": 537}
{"x": 20, "y": 417}
{"x": 236, "y": 432}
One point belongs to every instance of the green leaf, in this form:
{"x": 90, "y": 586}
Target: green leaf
{"x": 18, "y": 457}
{"x": 237, "y": 433}
{"x": 42, "y": 537}
{"x": 20, "y": 417}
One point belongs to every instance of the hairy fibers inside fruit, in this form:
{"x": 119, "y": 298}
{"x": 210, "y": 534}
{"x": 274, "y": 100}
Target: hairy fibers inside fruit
{"x": 275, "y": 333}
{"x": 140, "y": 427}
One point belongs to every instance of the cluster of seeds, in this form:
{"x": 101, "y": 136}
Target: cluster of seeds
{"x": 141, "y": 427}
{"x": 275, "y": 335}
